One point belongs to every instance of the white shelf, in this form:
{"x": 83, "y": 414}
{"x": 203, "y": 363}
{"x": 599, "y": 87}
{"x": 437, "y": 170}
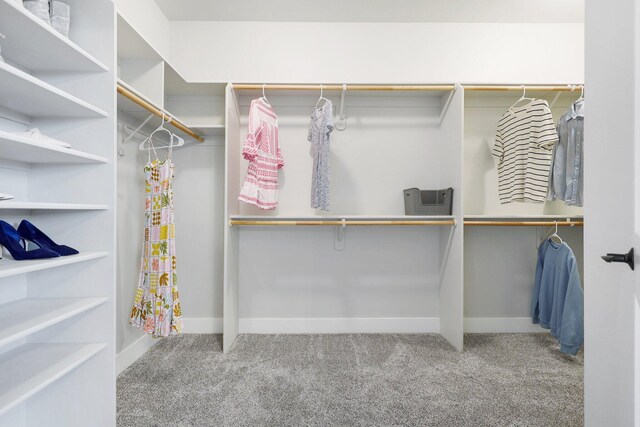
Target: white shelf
{"x": 29, "y": 315}
{"x": 37, "y": 46}
{"x": 30, "y": 368}
{"x": 10, "y": 267}
{"x": 23, "y": 149}
{"x": 23, "y": 93}
{"x": 516, "y": 217}
{"x": 339, "y": 217}
{"x": 41, "y": 206}
{"x": 206, "y": 129}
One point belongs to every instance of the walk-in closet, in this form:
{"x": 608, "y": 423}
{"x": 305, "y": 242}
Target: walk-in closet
{"x": 285, "y": 214}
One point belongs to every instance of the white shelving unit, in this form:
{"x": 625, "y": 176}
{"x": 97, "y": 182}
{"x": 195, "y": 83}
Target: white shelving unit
{"x": 23, "y": 149}
{"x": 9, "y": 267}
{"x": 199, "y": 106}
{"x": 45, "y": 364}
{"x": 25, "y": 94}
{"x": 365, "y": 198}
{"x": 26, "y": 316}
{"x": 57, "y": 343}
{"x": 36, "y": 206}
{"x": 45, "y": 49}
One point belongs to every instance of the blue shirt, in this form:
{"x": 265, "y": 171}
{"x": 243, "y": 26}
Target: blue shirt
{"x": 557, "y": 302}
{"x": 566, "y": 180}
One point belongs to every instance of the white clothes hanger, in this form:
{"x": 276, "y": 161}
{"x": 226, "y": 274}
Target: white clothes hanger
{"x": 581, "y": 94}
{"x": 264, "y": 97}
{"x": 523, "y": 97}
{"x": 172, "y": 138}
{"x": 555, "y": 234}
{"x": 321, "y": 97}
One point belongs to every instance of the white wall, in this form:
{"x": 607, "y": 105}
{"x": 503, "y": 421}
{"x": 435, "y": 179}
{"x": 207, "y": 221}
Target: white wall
{"x": 198, "y": 189}
{"x": 377, "y": 53}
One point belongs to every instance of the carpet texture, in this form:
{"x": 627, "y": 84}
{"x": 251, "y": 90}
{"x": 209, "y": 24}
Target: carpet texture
{"x": 353, "y": 380}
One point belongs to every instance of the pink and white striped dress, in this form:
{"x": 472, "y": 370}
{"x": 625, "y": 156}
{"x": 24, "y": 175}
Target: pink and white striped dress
{"x": 265, "y": 158}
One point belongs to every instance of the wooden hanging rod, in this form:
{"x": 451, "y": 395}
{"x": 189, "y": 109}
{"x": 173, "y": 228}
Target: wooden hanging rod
{"x": 524, "y": 223}
{"x": 546, "y": 88}
{"x": 349, "y": 87}
{"x": 124, "y": 91}
{"x": 339, "y": 223}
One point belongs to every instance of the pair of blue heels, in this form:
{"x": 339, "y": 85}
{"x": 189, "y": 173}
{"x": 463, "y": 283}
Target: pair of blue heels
{"x": 10, "y": 238}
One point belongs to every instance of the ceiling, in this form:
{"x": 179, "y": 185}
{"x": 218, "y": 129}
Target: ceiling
{"x": 495, "y": 11}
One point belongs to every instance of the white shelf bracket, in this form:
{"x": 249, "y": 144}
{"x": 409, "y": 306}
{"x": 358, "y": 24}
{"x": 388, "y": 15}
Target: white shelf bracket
{"x": 446, "y": 104}
{"x": 445, "y": 255}
{"x": 136, "y": 130}
{"x": 341, "y": 124}
{"x": 338, "y": 243}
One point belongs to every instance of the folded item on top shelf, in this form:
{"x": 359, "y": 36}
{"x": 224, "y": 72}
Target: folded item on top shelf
{"x": 60, "y": 17}
{"x": 5, "y": 196}
{"x": 39, "y": 8}
{"x": 36, "y": 135}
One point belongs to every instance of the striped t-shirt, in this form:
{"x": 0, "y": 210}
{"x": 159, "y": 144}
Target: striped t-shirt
{"x": 523, "y": 146}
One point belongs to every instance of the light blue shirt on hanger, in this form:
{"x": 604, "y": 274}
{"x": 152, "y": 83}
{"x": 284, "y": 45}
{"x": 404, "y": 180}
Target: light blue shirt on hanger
{"x": 558, "y": 300}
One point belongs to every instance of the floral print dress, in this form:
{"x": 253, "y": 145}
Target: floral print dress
{"x": 156, "y": 307}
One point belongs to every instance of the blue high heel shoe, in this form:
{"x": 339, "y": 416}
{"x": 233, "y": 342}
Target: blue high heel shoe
{"x": 10, "y": 239}
{"x": 30, "y": 232}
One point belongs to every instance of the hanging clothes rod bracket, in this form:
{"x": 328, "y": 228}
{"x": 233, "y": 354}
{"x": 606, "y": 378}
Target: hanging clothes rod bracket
{"x": 338, "y": 243}
{"x": 138, "y": 129}
{"x": 342, "y": 119}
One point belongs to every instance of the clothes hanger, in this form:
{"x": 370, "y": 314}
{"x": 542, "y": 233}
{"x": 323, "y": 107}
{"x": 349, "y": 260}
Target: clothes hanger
{"x": 264, "y": 97}
{"x": 172, "y": 137}
{"x": 523, "y": 97}
{"x": 321, "y": 97}
{"x": 555, "y": 234}
{"x": 581, "y": 94}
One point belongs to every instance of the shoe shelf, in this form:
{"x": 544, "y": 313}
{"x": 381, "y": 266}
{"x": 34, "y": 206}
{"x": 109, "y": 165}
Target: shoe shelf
{"x": 25, "y": 94}
{"x": 22, "y": 149}
{"x": 9, "y": 267}
{"x": 41, "y": 206}
{"x": 28, "y": 369}
{"x": 33, "y": 44}
{"x": 26, "y": 316}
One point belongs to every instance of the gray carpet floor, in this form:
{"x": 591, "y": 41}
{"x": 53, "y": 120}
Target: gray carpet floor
{"x": 353, "y": 380}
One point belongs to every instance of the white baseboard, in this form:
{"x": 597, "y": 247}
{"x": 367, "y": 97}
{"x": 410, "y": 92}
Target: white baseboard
{"x": 202, "y": 325}
{"x": 339, "y": 325}
{"x": 500, "y": 325}
{"x": 134, "y": 351}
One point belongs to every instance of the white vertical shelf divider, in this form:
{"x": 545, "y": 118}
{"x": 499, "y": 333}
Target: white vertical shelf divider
{"x": 451, "y": 240}
{"x": 231, "y": 305}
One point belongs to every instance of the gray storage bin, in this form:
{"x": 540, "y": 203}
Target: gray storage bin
{"x": 428, "y": 202}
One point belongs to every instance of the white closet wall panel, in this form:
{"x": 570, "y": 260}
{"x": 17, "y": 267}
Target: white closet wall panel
{"x": 199, "y": 211}
{"x": 231, "y": 303}
{"x": 378, "y": 52}
{"x": 377, "y": 275}
{"x": 131, "y": 194}
{"x": 451, "y": 238}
